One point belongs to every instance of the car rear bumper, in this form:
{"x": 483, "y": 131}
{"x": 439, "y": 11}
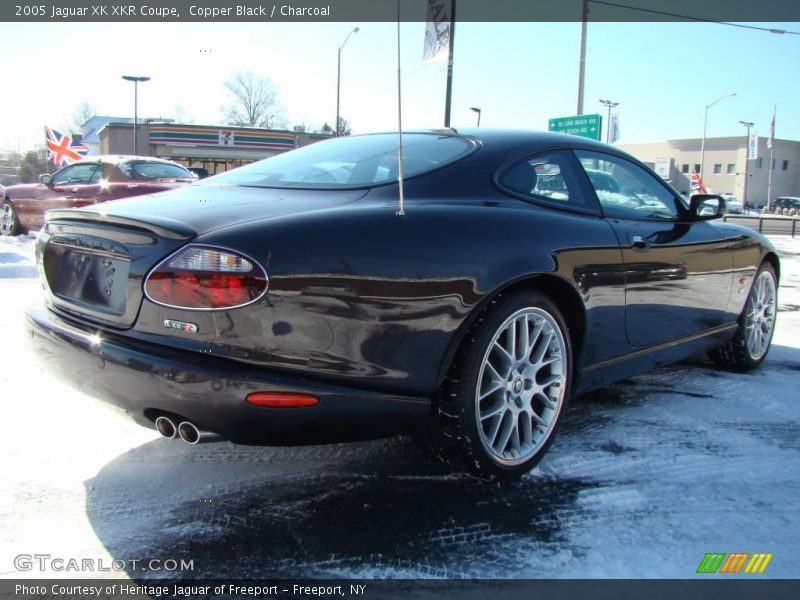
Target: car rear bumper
{"x": 147, "y": 380}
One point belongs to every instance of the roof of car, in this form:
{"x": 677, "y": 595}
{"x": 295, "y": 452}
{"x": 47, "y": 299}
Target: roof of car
{"x": 511, "y": 140}
{"x": 490, "y": 134}
{"x": 116, "y": 159}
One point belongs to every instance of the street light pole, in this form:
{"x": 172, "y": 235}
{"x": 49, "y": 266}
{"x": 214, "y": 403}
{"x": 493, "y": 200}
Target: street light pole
{"x": 135, "y": 81}
{"x": 705, "y": 122}
{"x": 339, "y": 76}
{"x": 608, "y": 104}
{"x": 477, "y": 110}
{"x": 748, "y": 125}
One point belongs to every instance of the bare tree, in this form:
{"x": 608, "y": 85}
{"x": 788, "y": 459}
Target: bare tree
{"x": 344, "y": 126}
{"x": 180, "y": 115}
{"x": 82, "y": 113}
{"x": 253, "y": 102}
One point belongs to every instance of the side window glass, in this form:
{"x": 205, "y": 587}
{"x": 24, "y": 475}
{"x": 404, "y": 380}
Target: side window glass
{"x": 76, "y": 174}
{"x": 63, "y": 176}
{"x": 548, "y": 177}
{"x": 626, "y": 190}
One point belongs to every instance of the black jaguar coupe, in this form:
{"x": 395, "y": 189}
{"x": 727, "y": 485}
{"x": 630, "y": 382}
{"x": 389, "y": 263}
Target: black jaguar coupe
{"x": 292, "y": 301}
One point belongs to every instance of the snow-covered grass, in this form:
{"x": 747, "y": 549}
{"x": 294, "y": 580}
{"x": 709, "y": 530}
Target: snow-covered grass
{"x": 646, "y": 477}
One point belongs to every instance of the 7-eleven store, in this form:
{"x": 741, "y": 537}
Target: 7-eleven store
{"x": 214, "y": 148}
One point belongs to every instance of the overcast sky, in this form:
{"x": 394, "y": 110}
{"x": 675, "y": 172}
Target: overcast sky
{"x": 519, "y": 74}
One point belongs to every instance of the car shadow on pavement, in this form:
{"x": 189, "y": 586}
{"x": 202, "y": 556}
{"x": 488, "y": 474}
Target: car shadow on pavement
{"x": 376, "y": 509}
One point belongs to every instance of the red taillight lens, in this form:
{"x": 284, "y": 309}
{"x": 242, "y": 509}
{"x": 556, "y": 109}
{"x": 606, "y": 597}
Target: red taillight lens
{"x": 198, "y": 277}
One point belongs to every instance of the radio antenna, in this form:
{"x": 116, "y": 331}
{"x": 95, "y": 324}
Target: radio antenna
{"x": 401, "y": 212}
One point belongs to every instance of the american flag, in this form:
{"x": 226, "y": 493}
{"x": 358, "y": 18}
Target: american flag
{"x": 771, "y": 139}
{"x": 697, "y": 183}
{"x": 62, "y": 149}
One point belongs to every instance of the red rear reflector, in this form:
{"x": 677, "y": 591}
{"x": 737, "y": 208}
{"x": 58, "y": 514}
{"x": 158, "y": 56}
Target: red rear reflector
{"x": 281, "y": 399}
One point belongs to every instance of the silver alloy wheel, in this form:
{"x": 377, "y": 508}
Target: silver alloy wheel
{"x": 760, "y": 315}
{"x": 7, "y": 220}
{"x": 521, "y": 386}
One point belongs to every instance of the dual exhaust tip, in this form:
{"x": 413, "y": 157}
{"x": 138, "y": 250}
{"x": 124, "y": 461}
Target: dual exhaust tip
{"x": 186, "y": 430}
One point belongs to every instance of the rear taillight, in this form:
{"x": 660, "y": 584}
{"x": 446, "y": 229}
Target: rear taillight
{"x": 201, "y": 277}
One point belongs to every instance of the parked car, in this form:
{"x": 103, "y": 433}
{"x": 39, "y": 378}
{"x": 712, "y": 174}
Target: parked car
{"x": 87, "y": 181}
{"x": 293, "y": 301}
{"x": 200, "y": 172}
{"x": 733, "y": 205}
{"x": 787, "y": 203}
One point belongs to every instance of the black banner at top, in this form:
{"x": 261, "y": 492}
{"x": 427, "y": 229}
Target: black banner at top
{"x": 773, "y": 11}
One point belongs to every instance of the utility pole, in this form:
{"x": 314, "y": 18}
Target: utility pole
{"x": 582, "y": 63}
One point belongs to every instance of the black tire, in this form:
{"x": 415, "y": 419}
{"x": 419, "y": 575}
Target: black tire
{"x": 9, "y": 223}
{"x": 741, "y": 353}
{"x": 463, "y": 423}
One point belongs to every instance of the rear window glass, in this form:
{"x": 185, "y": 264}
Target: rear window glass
{"x": 154, "y": 170}
{"x": 349, "y": 162}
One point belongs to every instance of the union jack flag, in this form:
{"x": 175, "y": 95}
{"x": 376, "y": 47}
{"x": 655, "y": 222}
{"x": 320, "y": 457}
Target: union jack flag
{"x": 62, "y": 149}
{"x": 697, "y": 183}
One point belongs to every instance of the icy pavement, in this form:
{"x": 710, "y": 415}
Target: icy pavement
{"x": 646, "y": 477}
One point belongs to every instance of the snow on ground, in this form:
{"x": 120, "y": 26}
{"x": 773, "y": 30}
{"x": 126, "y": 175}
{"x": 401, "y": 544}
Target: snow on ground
{"x": 646, "y": 477}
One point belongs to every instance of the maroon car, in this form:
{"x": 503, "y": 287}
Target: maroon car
{"x": 88, "y": 181}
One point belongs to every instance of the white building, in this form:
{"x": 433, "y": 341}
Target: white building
{"x": 92, "y": 127}
{"x": 724, "y": 166}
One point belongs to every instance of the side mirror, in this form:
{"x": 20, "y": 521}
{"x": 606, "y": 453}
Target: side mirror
{"x": 46, "y": 179}
{"x": 704, "y": 207}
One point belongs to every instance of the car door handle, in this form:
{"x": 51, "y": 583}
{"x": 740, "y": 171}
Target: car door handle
{"x": 638, "y": 244}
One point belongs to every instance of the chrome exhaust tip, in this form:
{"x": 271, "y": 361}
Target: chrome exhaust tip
{"x": 189, "y": 432}
{"x": 166, "y": 427}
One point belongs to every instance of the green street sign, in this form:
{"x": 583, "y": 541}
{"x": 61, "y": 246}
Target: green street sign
{"x": 587, "y": 126}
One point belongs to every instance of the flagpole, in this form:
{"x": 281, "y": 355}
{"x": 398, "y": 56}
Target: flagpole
{"x": 771, "y": 155}
{"x": 449, "y": 93}
{"x": 46, "y": 152}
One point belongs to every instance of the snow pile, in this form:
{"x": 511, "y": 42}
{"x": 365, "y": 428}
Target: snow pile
{"x": 16, "y": 257}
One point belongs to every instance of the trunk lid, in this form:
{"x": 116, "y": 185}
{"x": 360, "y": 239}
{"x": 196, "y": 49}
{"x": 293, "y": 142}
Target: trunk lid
{"x": 93, "y": 260}
{"x": 202, "y": 208}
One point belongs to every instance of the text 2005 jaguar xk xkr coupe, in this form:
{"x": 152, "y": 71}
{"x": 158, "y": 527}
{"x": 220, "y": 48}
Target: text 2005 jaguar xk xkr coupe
{"x": 288, "y": 302}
